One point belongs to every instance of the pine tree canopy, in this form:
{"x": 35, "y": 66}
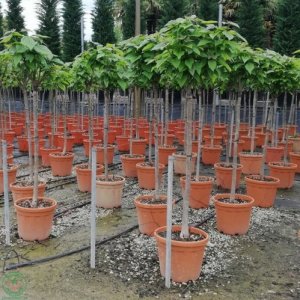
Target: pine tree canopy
{"x": 172, "y": 9}
{"x": 287, "y": 35}
{"x": 208, "y": 9}
{"x": 14, "y": 18}
{"x": 49, "y": 24}
{"x": 103, "y": 22}
{"x": 251, "y": 21}
{"x": 71, "y": 39}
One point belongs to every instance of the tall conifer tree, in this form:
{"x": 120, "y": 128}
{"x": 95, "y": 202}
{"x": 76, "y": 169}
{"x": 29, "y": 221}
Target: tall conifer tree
{"x": 250, "y": 17}
{"x": 103, "y": 22}
{"x": 208, "y": 9}
{"x": 14, "y": 18}
{"x": 172, "y": 9}
{"x": 49, "y": 24}
{"x": 287, "y": 34}
{"x": 71, "y": 37}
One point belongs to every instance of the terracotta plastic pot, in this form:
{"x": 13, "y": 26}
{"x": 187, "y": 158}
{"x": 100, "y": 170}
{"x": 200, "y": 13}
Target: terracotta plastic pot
{"x": 146, "y": 175}
{"x": 111, "y": 136}
{"x": 84, "y": 176}
{"x": 164, "y": 153}
{"x": 296, "y": 143}
{"x": 251, "y": 162}
{"x": 100, "y": 154}
{"x": 55, "y": 138}
{"x": 9, "y": 149}
{"x": 139, "y": 146}
{"x": 260, "y": 139}
{"x": 180, "y": 163}
{"x": 187, "y": 256}
{"x": 219, "y": 129}
{"x": 122, "y": 143}
{"x": 292, "y": 129}
{"x": 217, "y": 140}
{"x": 263, "y": 192}
{"x": 61, "y": 165}
{"x": 247, "y": 142}
{"x": 70, "y": 143}
{"x": 23, "y": 144}
{"x": 12, "y": 175}
{"x": 45, "y": 155}
{"x": 9, "y": 136}
{"x": 274, "y": 154}
{"x": 211, "y": 155}
{"x": 129, "y": 164}
{"x": 240, "y": 147}
{"x": 289, "y": 147}
{"x": 78, "y": 138}
{"x": 200, "y": 191}
{"x": 224, "y": 175}
{"x": 150, "y": 216}
{"x": 35, "y": 223}
{"x": 19, "y": 192}
{"x": 295, "y": 159}
{"x": 109, "y": 193}
{"x": 142, "y": 131}
{"x": 284, "y": 172}
{"x": 86, "y": 145}
{"x": 170, "y": 139}
{"x": 233, "y": 218}
{"x": 180, "y": 136}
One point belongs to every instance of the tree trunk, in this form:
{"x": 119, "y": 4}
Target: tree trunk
{"x": 235, "y": 146}
{"x": 253, "y": 121}
{"x": 91, "y": 125}
{"x": 200, "y": 116}
{"x": 36, "y": 149}
{"x": 157, "y": 181}
{"x": 105, "y": 135}
{"x": 185, "y": 205}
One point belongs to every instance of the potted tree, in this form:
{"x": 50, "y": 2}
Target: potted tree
{"x": 110, "y": 72}
{"x": 185, "y": 64}
{"x": 34, "y": 61}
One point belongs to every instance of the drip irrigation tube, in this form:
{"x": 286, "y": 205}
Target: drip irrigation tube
{"x": 102, "y": 242}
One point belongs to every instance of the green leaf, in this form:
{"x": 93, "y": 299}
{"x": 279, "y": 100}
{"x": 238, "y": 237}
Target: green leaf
{"x": 28, "y": 42}
{"x": 178, "y": 53}
{"x": 228, "y": 35}
{"x": 189, "y": 63}
{"x": 212, "y": 64}
{"x": 249, "y": 67}
{"x": 43, "y": 50}
{"x": 175, "y": 63}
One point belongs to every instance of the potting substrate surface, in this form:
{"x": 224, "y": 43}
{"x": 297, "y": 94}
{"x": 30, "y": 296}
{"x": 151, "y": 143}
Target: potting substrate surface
{"x": 263, "y": 264}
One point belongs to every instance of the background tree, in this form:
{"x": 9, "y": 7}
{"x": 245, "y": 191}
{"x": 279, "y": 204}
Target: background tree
{"x": 103, "y": 22}
{"x": 14, "y": 16}
{"x": 1, "y": 26}
{"x": 287, "y": 35}
{"x": 71, "y": 38}
{"x": 208, "y": 9}
{"x": 251, "y": 21}
{"x": 172, "y": 9}
{"x": 128, "y": 19}
{"x": 49, "y": 24}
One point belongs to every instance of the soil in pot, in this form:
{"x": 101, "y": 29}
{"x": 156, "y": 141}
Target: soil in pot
{"x": 151, "y": 212}
{"x": 84, "y": 176}
{"x": 263, "y": 189}
{"x": 233, "y": 216}
{"x": 285, "y": 172}
{"x": 187, "y": 254}
{"x": 129, "y": 162}
{"x": 223, "y": 174}
{"x": 109, "y": 191}
{"x": 24, "y": 189}
{"x": 35, "y": 223}
{"x": 61, "y": 163}
{"x": 251, "y": 162}
{"x": 200, "y": 191}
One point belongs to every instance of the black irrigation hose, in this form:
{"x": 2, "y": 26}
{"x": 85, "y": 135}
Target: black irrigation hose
{"x": 50, "y": 258}
{"x": 101, "y": 242}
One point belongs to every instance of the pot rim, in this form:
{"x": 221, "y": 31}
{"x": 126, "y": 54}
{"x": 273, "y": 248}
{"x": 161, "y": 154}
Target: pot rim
{"x": 137, "y": 201}
{"x": 34, "y": 209}
{"x": 250, "y": 200}
{"x": 288, "y": 166}
{"x": 217, "y": 165}
{"x": 275, "y": 182}
{"x": 186, "y": 244}
{"x": 99, "y": 182}
{"x": 139, "y": 165}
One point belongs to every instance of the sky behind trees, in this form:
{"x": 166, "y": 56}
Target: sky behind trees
{"x": 31, "y": 20}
